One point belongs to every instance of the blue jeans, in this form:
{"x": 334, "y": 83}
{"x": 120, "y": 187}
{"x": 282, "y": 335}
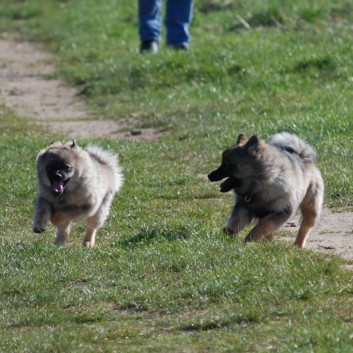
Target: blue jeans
{"x": 177, "y": 20}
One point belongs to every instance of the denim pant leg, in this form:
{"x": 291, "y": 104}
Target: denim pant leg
{"x": 178, "y": 18}
{"x": 150, "y": 19}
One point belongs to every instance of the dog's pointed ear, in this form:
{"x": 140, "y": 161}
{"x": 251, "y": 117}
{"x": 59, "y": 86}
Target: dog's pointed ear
{"x": 72, "y": 144}
{"x": 241, "y": 139}
{"x": 254, "y": 146}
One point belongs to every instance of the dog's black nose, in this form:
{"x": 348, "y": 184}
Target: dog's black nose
{"x": 209, "y": 176}
{"x": 58, "y": 176}
{"x": 216, "y": 175}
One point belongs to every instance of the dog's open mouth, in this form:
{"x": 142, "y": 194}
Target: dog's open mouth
{"x": 230, "y": 184}
{"x": 58, "y": 186}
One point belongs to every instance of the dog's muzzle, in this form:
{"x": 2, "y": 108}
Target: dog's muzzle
{"x": 216, "y": 175}
{"x": 229, "y": 184}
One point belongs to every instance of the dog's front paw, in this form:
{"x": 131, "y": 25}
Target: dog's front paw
{"x": 60, "y": 241}
{"x": 228, "y": 231}
{"x": 38, "y": 228}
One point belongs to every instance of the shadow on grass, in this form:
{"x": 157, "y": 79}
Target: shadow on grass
{"x": 223, "y": 321}
{"x": 190, "y": 197}
{"x": 154, "y": 234}
{"x": 320, "y": 64}
{"x": 215, "y": 6}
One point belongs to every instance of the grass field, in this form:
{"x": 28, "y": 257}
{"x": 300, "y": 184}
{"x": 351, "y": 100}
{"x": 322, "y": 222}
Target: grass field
{"x": 163, "y": 276}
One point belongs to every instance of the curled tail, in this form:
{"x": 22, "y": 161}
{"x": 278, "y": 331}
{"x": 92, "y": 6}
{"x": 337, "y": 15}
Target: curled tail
{"x": 294, "y": 144}
{"x": 109, "y": 159}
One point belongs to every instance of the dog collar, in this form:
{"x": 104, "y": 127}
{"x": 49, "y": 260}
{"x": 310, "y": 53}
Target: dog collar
{"x": 247, "y": 198}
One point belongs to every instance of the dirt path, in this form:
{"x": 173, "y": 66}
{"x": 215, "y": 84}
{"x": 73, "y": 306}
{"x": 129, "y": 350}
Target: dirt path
{"x": 52, "y": 102}
{"x": 57, "y": 105}
{"x": 333, "y": 235}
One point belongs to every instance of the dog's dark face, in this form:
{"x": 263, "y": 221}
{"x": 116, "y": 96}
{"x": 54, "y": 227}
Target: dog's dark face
{"x": 56, "y": 166}
{"x": 59, "y": 173}
{"x": 238, "y": 163}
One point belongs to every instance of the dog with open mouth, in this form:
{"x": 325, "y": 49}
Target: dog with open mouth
{"x": 271, "y": 181}
{"x": 75, "y": 183}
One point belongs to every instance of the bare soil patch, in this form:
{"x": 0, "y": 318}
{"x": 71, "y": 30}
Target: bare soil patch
{"x": 333, "y": 234}
{"x": 53, "y": 103}
{"x": 23, "y": 88}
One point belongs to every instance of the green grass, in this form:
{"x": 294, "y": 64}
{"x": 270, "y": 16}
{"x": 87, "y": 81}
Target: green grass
{"x": 163, "y": 276}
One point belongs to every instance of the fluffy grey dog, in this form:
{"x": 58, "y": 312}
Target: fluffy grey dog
{"x": 271, "y": 182}
{"x": 75, "y": 183}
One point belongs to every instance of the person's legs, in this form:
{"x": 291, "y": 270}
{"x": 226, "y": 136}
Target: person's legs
{"x": 178, "y": 18}
{"x": 150, "y": 17}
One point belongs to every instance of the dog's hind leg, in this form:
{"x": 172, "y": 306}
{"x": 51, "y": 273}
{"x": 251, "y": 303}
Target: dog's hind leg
{"x": 309, "y": 218}
{"x": 94, "y": 222}
{"x": 310, "y": 208}
{"x": 92, "y": 225}
{"x": 90, "y": 236}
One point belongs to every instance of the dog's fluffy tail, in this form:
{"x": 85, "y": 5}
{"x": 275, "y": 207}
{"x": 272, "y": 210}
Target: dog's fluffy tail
{"x": 294, "y": 144}
{"x": 110, "y": 160}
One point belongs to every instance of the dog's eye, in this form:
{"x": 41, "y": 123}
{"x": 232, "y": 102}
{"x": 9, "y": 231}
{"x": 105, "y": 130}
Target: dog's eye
{"x": 67, "y": 168}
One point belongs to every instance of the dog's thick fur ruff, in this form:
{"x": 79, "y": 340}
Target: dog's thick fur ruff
{"x": 271, "y": 182}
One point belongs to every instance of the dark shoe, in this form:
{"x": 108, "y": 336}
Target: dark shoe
{"x": 149, "y": 46}
{"x": 181, "y": 46}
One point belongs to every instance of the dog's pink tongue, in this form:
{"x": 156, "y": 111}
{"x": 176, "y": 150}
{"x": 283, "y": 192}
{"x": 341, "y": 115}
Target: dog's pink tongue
{"x": 58, "y": 187}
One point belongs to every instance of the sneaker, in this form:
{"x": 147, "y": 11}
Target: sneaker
{"x": 149, "y": 46}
